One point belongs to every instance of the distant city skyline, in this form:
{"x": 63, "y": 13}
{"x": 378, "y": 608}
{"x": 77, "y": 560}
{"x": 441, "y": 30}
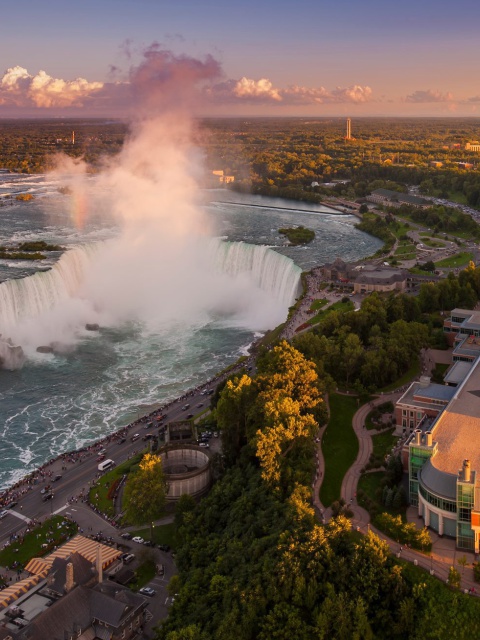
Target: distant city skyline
{"x": 310, "y": 58}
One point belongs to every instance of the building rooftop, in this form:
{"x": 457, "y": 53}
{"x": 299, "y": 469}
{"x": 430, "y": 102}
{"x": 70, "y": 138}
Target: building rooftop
{"x": 457, "y": 429}
{"x": 440, "y": 483}
{"x": 400, "y": 197}
{"x": 457, "y": 372}
{"x": 466, "y": 315}
{"x": 432, "y": 391}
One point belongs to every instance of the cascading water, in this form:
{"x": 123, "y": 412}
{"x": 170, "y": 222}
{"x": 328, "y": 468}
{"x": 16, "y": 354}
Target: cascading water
{"x": 29, "y": 297}
{"x": 271, "y": 272}
{"x": 59, "y": 297}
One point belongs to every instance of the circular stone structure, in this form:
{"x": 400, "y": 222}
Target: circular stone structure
{"x": 187, "y": 470}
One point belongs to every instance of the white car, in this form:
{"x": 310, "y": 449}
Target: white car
{"x": 138, "y": 539}
{"x": 3, "y": 514}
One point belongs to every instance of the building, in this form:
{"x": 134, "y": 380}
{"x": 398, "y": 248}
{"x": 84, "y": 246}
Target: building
{"x": 460, "y": 324}
{"x": 396, "y": 199}
{"x": 472, "y": 146}
{"x": 366, "y": 278}
{"x": 382, "y": 279}
{"x": 349, "y": 129}
{"x": 65, "y": 598}
{"x": 442, "y": 451}
{"x": 220, "y": 176}
{"x": 105, "y": 612}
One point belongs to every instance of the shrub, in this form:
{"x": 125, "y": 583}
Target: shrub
{"x": 404, "y": 532}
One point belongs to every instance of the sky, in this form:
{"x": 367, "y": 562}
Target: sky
{"x": 271, "y": 58}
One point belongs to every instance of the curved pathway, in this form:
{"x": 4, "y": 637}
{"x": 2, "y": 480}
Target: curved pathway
{"x": 443, "y": 555}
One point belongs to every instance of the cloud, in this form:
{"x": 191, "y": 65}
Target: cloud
{"x": 247, "y": 90}
{"x": 474, "y": 99}
{"x": 428, "y": 95}
{"x": 160, "y": 81}
{"x": 262, "y": 89}
{"x": 20, "y": 89}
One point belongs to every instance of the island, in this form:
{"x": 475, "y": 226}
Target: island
{"x": 28, "y": 250}
{"x": 298, "y": 235}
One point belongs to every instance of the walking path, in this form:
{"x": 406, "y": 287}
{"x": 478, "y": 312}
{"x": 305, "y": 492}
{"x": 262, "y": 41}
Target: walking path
{"x": 444, "y": 553}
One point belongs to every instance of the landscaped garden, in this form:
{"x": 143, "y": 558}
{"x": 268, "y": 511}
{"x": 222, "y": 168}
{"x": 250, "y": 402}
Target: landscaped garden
{"x": 103, "y": 491}
{"x": 38, "y": 541}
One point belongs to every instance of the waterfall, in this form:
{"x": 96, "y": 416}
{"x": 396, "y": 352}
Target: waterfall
{"x": 46, "y": 310}
{"x": 272, "y": 272}
{"x": 31, "y": 296}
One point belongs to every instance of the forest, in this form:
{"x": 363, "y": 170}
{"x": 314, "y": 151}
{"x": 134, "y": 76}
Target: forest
{"x": 253, "y": 561}
{"x": 300, "y": 158}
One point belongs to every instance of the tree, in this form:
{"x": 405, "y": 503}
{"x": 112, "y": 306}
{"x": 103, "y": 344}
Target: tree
{"x": 285, "y": 427}
{"x": 462, "y": 562}
{"x": 454, "y": 578}
{"x": 232, "y": 414}
{"x": 145, "y": 492}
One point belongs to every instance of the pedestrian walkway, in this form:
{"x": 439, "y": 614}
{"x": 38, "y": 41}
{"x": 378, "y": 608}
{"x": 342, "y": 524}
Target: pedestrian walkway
{"x": 444, "y": 553}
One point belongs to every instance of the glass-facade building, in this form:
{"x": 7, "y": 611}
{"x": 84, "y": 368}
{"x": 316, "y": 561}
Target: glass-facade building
{"x": 444, "y": 463}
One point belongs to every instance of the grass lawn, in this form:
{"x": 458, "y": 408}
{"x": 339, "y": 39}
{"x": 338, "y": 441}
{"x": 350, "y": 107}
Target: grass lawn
{"x": 457, "y": 260}
{"x": 402, "y": 230}
{"x": 405, "y": 248}
{"x": 433, "y": 243}
{"x": 407, "y": 377}
{"x": 98, "y": 495}
{"x": 406, "y": 256}
{"x": 339, "y": 446}
{"x": 318, "y": 304}
{"x": 163, "y": 534}
{"x": 337, "y": 306}
{"x": 418, "y": 272}
{"x": 370, "y": 483}
{"x": 383, "y": 443}
{"x": 52, "y": 533}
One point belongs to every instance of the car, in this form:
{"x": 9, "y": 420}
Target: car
{"x": 204, "y": 444}
{"x": 147, "y": 436}
{"x": 102, "y": 452}
{"x": 200, "y": 404}
{"x": 101, "y": 457}
{"x": 128, "y": 557}
{"x": 164, "y": 547}
{"x": 3, "y": 514}
{"x": 126, "y": 535}
{"x": 135, "y": 436}
{"x": 122, "y": 440}
{"x": 160, "y": 569}
{"x": 57, "y": 478}
{"x": 190, "y": 416}
{"x": 47, "y": 496}
{"x": 138, "y": 540}
{"x": 209, "y": 392}
{"x": 11, "y": 504}
{"x": 147, "y": 591}
{"x": 46, "y": 489}
{"x": 149, "y": 543}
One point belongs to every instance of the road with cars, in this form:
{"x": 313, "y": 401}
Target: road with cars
{"x": 59, "y": 493}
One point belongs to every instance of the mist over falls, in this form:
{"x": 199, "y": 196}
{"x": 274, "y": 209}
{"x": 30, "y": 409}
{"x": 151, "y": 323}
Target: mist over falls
{"x": 103, "y": 283}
